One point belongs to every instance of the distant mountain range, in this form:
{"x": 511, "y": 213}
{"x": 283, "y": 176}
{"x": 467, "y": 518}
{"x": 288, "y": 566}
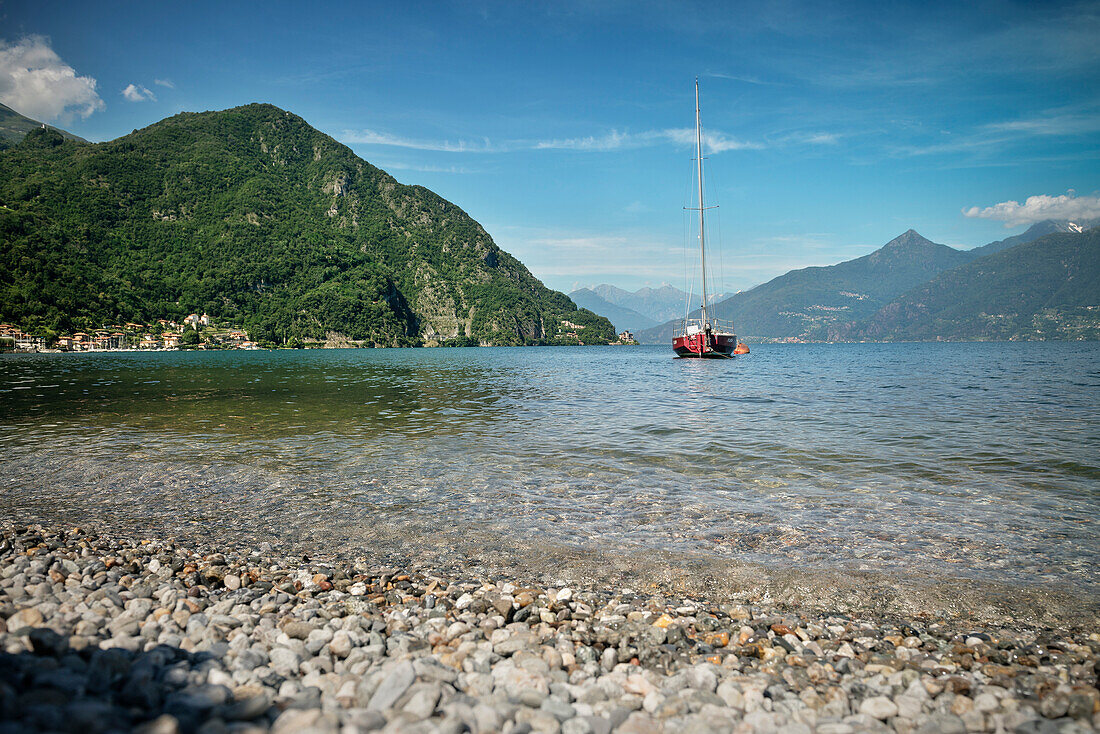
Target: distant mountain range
{"x": 14, "y": 126}
{"x": 624, "y": 319}
{"x": 1045, "y": 289}
{"x": 642, "y": 309}
{"x": 881, "y": 296}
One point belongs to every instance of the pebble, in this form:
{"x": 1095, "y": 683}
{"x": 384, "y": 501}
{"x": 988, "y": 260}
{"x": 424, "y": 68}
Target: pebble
{"x": 879, "y": 707}
{"x": 160, "y": 638}
{"x": 393, "y": 686}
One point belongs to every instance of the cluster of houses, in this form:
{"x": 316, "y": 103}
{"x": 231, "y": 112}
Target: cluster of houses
{"x": 569, "y": 329}
{"x": 12, "y": 337}
{"x": 161, "y": 335}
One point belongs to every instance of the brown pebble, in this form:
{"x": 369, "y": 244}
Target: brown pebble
{"x": 993, "y": 670}
{"x": 957, "y": 685}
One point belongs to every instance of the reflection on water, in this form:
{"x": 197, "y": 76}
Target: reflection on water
{"x": 972, "y": 460}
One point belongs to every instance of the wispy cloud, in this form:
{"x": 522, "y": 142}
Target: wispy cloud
{"x": 563, "y": 257}
{"x": 613, "y": 140}
{"x": 1040, "y": 207}
{"x": 36, "y": 82}
{"x": 419, "y": 168}
{"x": 746, "y": 79}
{"x": 1067, "y": 124}
{"x": 138, "y": 93}
{"x": 997, "y": 136}
{"x": 716, "y": 142}
{"x": 557, "y": 254}
{"x": 822, "y": 138}
{"x": 164, "y": 83}
{"x": 375, "y": 137}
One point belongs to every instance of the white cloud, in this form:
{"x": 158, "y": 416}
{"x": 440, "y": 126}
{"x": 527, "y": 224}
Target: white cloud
{"x": 374, "y": 137}
{"x": 744, "y": 78}
{"x": 402, "y": 166}
{"x": 717, "y": 142}
{"x": 613, "y": 140}
{"x": 34, "y": 81}
{"x": 1038, "y": 208}
{"x": 138, "y": 93}
{"x": 164, "y": 83}
{"x": 1067, "y": 124}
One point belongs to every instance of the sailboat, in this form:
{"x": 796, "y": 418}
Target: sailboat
{"x": 704, "y": 337}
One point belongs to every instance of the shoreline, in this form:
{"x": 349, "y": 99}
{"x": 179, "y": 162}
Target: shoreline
{"x": 146, "y": 632}
{"x": 494, "y": 553}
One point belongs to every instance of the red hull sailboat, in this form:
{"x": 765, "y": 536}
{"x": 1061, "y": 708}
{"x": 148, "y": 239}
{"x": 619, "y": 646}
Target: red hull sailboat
{"x": 703, "y": 337}
{"x": 704, "y": 343}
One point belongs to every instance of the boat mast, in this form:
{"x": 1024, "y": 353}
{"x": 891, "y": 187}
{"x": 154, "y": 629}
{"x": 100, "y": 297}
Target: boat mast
{"x": 702, "y": 235}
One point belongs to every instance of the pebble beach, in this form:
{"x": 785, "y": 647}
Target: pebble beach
{"x": 113, "y": 631}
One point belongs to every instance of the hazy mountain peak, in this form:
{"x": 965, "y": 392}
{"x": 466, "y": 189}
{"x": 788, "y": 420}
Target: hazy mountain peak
{"x": 910, "y": 238}
{"x": 657, "y": 304}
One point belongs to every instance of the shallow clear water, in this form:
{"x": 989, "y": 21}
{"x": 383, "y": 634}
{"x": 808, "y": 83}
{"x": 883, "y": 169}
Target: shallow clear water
{"x": 954, "y": 460}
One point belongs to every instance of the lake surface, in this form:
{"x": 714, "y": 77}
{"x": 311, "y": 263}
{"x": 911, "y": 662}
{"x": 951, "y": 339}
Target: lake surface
{"x": 974, "y": 461}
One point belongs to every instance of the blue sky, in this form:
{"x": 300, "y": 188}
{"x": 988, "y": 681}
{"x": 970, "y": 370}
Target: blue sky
{"x": 562, "y": 127}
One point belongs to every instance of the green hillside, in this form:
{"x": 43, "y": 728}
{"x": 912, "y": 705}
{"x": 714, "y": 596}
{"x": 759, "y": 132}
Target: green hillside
{"x": 1034, "y": 232}
{"x": 1046, "y": 289}
{"x": 14, "y": 126}
{"x": 256, "y": 218}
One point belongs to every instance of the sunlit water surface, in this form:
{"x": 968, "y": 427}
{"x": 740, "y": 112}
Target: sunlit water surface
{"x": 978, "y": 461}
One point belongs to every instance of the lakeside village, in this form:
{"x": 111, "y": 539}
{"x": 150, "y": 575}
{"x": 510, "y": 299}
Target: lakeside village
{"x": 569, "y": 330}
{"x": 196, "y": 332}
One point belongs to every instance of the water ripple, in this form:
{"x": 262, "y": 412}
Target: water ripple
{"x": 973, "y": 460}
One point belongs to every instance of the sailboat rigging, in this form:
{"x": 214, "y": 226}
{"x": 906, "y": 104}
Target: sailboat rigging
{"x": 705, "y": 337}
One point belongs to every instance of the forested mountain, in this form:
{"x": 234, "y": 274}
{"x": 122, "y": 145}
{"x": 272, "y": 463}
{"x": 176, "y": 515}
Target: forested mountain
{"x": 915, "y": 289}
{"x": 807, "y": 303}
{"x": 624, "y": 319}
{"x": 1045, "y": 289}
{"x": 256, "y": 218}
{"x": 14, "y": 127}
{"x": 1034, "y": 232}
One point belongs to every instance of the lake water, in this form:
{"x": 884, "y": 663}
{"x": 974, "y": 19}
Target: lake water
{"x": 940, "y": 461}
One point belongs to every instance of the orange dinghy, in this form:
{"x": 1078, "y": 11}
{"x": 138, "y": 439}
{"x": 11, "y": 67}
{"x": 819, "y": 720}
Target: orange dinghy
{"x": 741, "y": 348}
